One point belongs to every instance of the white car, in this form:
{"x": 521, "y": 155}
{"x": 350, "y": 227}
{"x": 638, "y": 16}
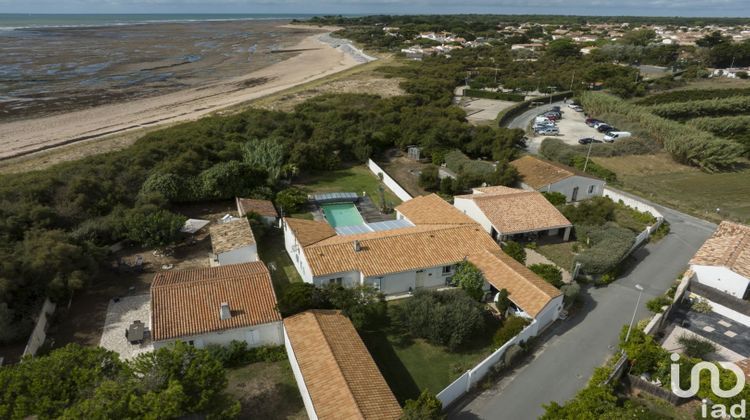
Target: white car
{"x": 573, "y": 106}
{"x": 551, "y": 131}
{"x": 614, "y": 135}
{"x": 577, "y": 108}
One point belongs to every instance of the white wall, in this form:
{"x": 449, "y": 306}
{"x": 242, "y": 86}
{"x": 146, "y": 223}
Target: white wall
{"x": 238, "y": 256}
{"x": 567, "y": 185}
{"x": 299, "y": 378}
{"x": 39, "y": 333}
{"x": 722, "y": 279}
{"x": 296, "y": 253}
{"x": 470, "y": 208}
{"x": 550, "y": 312}
{"x": 348, "y": 279}
{"x": 270, "y": 334}
{"x": 389, "y": 182}
{"x": 724, "y": 311}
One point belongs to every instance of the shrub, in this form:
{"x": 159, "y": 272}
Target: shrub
{"x": 470, "y": 280}
{"x": 425, "y": 407}
{"x": 570, "y": 292}
{"x": 449, "y": 318}
{"x": 152, "y": 227}
{"x": 696, "y": 347}
{"x": 655, "y": 305}
{"x": 594, "y": 212}
{"x": 608, "y": 245}
{"x": 549, "y": 272}
{"x": 429, "y": 178}
{"x": 701, "y": 305}
{"x": 459, "y": 163}
{"x": 502, "y": 303}
{"x": 511, "y": 327}
{"x": 291, "y": 200}
{"x": 237, "y": 353}
{"x": 556, "y": 198}
{"x": 681, "y": 111}
{"x": 364, "y": 305}
{"x": 689, "y": 95}
{"x": 515, "y": 251}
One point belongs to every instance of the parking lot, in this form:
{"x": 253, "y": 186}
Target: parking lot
{"x": 483, "y": 111}
{"x": 572, "y": 127}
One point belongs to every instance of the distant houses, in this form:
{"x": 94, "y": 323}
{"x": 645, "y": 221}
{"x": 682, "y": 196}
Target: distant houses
{"x": 543, "y": 176}
{"x": 512, "y": 214}
{"x": 336, "y": 376}
{"x": 723, "y": 262}
{"x": 215, "y": 305}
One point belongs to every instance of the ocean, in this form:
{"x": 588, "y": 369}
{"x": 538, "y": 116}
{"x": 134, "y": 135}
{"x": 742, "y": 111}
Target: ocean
{"x": 57, "y": 63}
{"x": 20, "y": 21}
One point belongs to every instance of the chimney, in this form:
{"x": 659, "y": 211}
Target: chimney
{"x": 224, "y": 312}
{"x": 357, "y": 246}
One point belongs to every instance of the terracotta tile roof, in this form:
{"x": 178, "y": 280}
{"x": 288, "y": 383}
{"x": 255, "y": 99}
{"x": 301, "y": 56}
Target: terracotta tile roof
{"x": 431, "y": 209}
{"x": 398, "y": 250}
{"x": 515, "y": 211}
{"x": 187, "y": 302}
{"x": 526, "y": 290}
{"x": 231, "y": 235}
{"x": 309, "y": 231}
{"x": 497, "y": 189}
{"x": 260, "y": 207}
{"x": 538, "y": 173}
{"x": 340, "y": 375}
{"x": 729, "y": 247}
{"x": 745, "y": 366}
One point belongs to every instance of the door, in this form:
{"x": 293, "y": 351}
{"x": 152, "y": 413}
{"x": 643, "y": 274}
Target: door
{"x": 575, "y": 194}
{"x": 421, "y": 276}
{"x": 493, "y": 233}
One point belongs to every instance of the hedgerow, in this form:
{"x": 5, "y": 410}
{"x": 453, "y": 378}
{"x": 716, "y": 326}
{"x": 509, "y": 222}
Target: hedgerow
{"x": 608, "y": 245}
{"x": 682, "y": 111}
{"x": 686, "y": 144}
{"x": 691, "y": 95}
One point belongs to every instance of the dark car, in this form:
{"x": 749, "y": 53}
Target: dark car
{"x": 552, "y": 116}
{"x": 587, "y": 140}
{"x": 556, "y": 108}
{"x": 591, "y": 121}
{"x": 604, "y": 128}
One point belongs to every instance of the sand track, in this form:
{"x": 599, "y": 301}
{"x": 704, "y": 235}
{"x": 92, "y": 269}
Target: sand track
{"x": 317, "y": 59}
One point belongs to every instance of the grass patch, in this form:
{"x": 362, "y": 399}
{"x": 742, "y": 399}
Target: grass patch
{"x": 632, "y": 219}
{"x": 410, "y": 365}
{"x": 266, "y": 390}
{"x": 689, "y": 190}
{"x": 353, "y": 179}
{"x": 272, "y": 252}
{"x": 561, "y": 254}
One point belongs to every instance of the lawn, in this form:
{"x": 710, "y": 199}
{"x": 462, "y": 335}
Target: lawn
{"x": 410, "y": 365}
{"x": 687, "y": 189}
{"x": 271, "y": 251}
{"x": 561, "y": 254}
{"x": 266, "y": 390}
{"x": 352, "y": 179}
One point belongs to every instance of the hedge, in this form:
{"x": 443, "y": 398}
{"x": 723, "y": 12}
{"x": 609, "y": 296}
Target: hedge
{"x": 500, "y": 96}
{"x": 682, "y": 111}
{"x": 461, "y": 164}
{"x": 504, "y": 118}
{"x": 735, "y": 127}
{"x": 608, "y": 245}
{"x": 686, "y": 144}
{"x": 691, "y": 95}
{"x": 511, "y": 328}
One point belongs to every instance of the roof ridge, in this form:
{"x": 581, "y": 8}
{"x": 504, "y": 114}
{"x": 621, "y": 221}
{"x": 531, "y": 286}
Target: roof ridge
{"x": 423, "y": 229}
{"x": 315, "y": 313}
{"x": 494, "y": 195}
{"x": 226, "y": 274}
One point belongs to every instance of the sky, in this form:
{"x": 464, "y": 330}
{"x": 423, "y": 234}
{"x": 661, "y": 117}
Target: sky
{"x": 731, "y": 8}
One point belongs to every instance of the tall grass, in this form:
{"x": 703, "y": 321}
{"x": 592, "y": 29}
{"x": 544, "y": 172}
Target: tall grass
{"x": 682, "y": 111}
{"x": 685, "y": 143}
{"x": 691, "y": 95}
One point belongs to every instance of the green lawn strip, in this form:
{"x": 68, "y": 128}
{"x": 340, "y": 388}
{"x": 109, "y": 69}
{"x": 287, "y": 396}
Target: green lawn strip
{"x": 271, "y": 250}
{"x": 410, "y": 365}
{"x": 266, "y": 390}
{"x": 560, "y": 254}
{"x": 631, "y": 219}
{"x": 353, "y": 179}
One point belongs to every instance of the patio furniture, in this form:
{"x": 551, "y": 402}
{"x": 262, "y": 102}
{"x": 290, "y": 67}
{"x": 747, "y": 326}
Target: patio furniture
{"x": 135, "y": 332}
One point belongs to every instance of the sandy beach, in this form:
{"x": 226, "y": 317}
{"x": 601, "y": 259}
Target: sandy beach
{"x": 319, "y": 56}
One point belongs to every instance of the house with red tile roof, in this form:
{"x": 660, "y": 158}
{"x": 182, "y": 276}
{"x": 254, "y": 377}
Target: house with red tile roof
{"x": 723, "y": 261}
{"x": 215, "y": 305}
{"x": 544, "y": 176}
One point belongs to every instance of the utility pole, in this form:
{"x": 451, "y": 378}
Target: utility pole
{"x": 571, "y": 80}
{"x": 640, "y": 293}
{"x": 586, "y": 164}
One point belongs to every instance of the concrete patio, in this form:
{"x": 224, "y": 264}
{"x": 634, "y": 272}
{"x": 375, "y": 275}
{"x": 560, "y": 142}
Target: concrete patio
{"x": 120, "y": 315}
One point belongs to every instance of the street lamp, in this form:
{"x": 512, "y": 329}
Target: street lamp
{"x": 640, "y": 292}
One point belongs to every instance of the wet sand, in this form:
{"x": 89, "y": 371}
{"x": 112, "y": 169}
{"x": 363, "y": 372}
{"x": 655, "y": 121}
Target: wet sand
{"x": 310, "y": 60}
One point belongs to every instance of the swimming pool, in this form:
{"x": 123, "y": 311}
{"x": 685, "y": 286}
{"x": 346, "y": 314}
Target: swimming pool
{"x": 342, "y": 214}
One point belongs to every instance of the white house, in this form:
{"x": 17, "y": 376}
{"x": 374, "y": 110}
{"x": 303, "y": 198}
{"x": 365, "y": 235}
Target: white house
{"x": 543, "y": 176}
{"x": 422, "y": 254}
{"x": 215, "y": 305}
{"x": 263, "y": 208}
{"x": 723, "y": 262}
{"x": 336, "y": 376}
{"x": 233, "y": 242}
{"x": 509, "y": 213}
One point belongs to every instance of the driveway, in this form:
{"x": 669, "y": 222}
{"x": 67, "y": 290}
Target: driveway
{"x": 574, "y": 347}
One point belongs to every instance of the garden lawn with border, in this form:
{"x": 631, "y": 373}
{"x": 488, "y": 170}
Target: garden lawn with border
{"x": 266, "y": 390}
{"x": 271, "y": 250}
{"x": 352, "y": 179}
{"x": 411, "y": 365}
{"x": 561, "y": 254}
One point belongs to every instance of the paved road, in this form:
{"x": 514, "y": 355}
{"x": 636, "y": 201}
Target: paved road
{"x": 574, "y": 347}
{"x": 522, "y": 121}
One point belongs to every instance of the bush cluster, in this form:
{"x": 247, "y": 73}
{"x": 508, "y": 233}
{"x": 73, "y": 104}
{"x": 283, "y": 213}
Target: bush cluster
{"x": 449, "y": 318}
{"x": 364, "y": 305}
{"x": 689, "y": 95}
{"x": 682, "y": 111}
{"x": 558, "y": 151}
{"x": 655, "y": 305}
{"x": 237, "y": 353}
{"x": 549, "y": 272}
{"x": 607, "y": 246}
{"x": 512, "y": 326}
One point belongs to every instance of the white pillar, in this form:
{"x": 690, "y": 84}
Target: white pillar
{"x": 566, "y": 235}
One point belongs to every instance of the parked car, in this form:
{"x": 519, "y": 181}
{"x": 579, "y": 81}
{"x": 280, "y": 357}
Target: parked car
{"x": 592, "y": 121}
{"x": 614, "y": 135}
{"x": 573, "y": 105}
{"x": 551, "y": 131}
{"x": 604, "y": 128}
{"x": 587, "y": 140}
{"x": 577, "y": 108}
{"x": 541, "y": 119}
{"x": 556, "y": 108}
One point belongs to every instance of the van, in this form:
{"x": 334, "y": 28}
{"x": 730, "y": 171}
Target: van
{"x": 614, "y": 135}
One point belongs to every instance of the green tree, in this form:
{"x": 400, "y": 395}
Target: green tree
{"x": 562, "y": 48}
{"x": 363, "y": 304}
{"x": 425, "y": 407}
{"x": 290, "y": 200}
{"x": 299, "y": 297}
{"x": 555, "y": 198}
{"x": 549, "y": 272}
{"x": 640, "y": 37}
{"x": 151, "y": 227}
{"x": 515, "y": 251}
{"x": 502, "y": 302}
{"x": 429, "y": 179}
{"x": 267, "y": 155}
{"x": 470, "y": 280}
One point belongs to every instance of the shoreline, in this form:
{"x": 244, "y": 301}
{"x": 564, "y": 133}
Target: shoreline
{"x": 320, "y": 56}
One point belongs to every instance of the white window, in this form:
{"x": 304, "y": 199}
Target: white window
{"x": 447, "y": 269}
{"x": 337, "y": 280}
{"x": 591, "y": 189}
